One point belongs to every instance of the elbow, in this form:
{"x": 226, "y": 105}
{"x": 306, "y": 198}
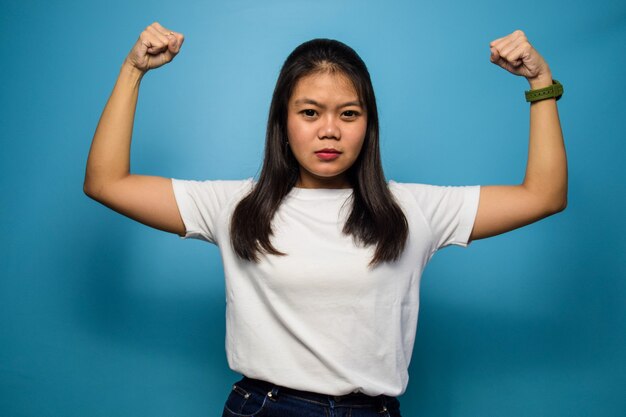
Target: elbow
{"x": 562, "y": 200}
{"x": 94, "y": 185}
{"x": 89, "y": 192}
{"x": 88, "y": 184}
{"x": 86, "y": 189}
{"x": 562, "y": 205}
{"x": 557, "y": 205}
{"x": 92, "y": 191}
{"x": 98, "y": 188}
{"x": 550, "y": 202}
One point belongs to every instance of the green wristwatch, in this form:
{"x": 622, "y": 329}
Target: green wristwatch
{"x": 555, "y": 90}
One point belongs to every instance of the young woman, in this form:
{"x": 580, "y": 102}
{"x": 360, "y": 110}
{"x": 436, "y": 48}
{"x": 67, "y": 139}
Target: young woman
{"x": 323, "y": 256}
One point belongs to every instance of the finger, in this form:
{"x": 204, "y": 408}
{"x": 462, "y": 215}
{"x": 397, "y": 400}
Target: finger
{"x": 166, "y": 32}
{"x": 157, "y": 60}
{"x": 509, "y": 52}
{"x": 503, "y": 63}
{"x": 515, "y": 52}
{"x": 152, "y": 44}
{"x": 507, "y": 45}
{"x": 501, "y": 43}
{"x": 514, "y": 57}
{"x": 157, "y": 48}
{"x": 496, "y": 42}
{"x": 178, "y": 40}
{"x": 496, "y": 50}
{"x": 157, "y": 34}
{"x": 526, "y": 62}
{"x": 499, "y": 48}
{"x": 160, "y": 28}
{"x": 514, "y": 43}
{"x": 166, "y": 57}
{"x": 519, "y": 54}
{"x": 495, "y": 55}
{"x": 174, "y": 40}
{"x": 516, "y": 62}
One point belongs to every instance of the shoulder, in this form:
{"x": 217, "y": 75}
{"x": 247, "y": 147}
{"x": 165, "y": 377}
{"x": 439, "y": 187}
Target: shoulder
{"x": 229, "y": 186}
{"x": 399, "y": 189}
{"x": 415, "y": 186}
{"x": 418, "y": 189}
{"x": 435, "y": 197}
{"x": 213, "y": 192}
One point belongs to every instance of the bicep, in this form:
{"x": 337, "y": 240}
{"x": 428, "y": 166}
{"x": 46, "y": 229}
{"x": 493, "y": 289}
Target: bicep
{"x": 147, "y": 199}
{"x": 502, "y": 208}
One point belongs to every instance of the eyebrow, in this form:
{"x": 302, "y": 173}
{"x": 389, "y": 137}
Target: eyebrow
{"x": 315, "y": 103}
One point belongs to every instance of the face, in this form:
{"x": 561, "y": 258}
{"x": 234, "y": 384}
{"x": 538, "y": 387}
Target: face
{"x": 326, "y": 125}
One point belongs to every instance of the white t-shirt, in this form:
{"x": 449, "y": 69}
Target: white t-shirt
{"x": 319, "y": 319}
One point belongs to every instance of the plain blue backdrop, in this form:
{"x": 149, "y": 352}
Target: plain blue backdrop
{"x": 102, "y": 316}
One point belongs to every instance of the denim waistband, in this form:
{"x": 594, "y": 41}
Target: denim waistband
{"x": 352, "y": 400}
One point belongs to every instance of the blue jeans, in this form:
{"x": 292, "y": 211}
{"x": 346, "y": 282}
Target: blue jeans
{"x": 255, "y": 398}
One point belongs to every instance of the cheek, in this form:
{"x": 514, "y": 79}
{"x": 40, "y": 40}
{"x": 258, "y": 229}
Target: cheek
{"x": 301, "y": 133}
{"x": 290, "y": 127}
{"x": 295, "y": 136}
{"x": 358, "y": 139}
{"x": 294, "y": 130}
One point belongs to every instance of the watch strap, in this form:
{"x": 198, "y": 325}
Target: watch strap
{"x": 553, "y": 91}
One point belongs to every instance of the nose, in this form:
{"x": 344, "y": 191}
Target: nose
{"x": 329, "y": 128}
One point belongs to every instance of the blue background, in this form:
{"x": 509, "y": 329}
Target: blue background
{"x": 102, "y": 316}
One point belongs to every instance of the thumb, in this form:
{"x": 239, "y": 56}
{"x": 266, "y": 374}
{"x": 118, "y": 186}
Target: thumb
{"x": 495, "y": 56}
{"x": 172, "y": 44}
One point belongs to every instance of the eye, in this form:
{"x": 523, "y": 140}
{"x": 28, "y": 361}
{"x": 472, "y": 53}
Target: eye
{"x": 309, "y": 112}
{"x": 351, "y": 114}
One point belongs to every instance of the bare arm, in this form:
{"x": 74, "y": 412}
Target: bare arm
{"x": 147, "y": 199}
{"x": 544, "y": 189}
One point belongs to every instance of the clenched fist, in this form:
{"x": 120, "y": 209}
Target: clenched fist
{"x": 155, "y": 47}
{"x": 515, "y": 54}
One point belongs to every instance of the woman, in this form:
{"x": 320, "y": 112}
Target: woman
{"x": 322, "y": 256}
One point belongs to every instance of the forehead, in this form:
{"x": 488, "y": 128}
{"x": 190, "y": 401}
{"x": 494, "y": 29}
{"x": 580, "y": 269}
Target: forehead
{"x": 325, "y": 86}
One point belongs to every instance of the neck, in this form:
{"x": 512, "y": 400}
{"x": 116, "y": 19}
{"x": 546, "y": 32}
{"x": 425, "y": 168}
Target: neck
{"x": 340, "y": 181}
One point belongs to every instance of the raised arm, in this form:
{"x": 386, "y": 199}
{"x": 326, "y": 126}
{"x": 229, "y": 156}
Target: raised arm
{"x": 544, "y": 189}
{"x": 147, "y": 199}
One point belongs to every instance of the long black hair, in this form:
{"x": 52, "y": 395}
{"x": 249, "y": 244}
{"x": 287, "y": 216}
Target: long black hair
{"x": 375, "y": 217}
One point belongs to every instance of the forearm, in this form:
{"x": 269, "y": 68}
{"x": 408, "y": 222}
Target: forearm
{"x": 109, "y": 156}
{"x": 546, "y": 170}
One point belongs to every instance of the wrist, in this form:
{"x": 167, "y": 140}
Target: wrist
{"x": 129, "y": 70}
{"x": 540, "y": 81}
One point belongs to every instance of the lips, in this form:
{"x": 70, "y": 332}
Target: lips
{"x": 328, "y": 154}
{"x": 328, "y": 150}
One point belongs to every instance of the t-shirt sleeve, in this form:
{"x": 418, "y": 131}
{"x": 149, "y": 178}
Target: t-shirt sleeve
{"x": 202, "y": 205}
{"x": 450, "y": 211}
